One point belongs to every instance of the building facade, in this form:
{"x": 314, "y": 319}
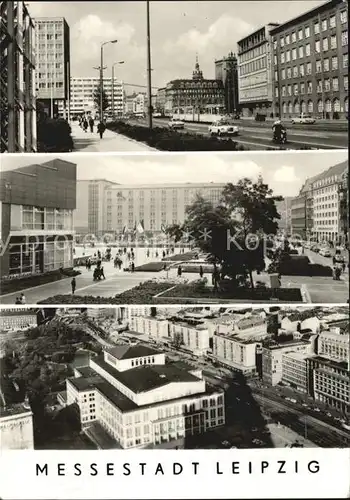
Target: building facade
{"x": 294, "y": 370}
{"x": 155, "y": 205}
{"x": 156, "y": 327}
{"x": 255, "y": 72}
{"x": 334, "y": 346}
{"x": 17, "y": 319}
{"x": 226, "y": 71}
{"x": 160, "y": 101}
{"x": 284, "y": 208}
{"x": 18, "y": 79}
{"x": 236, "y": 353}
{"x": 301, "y": 212}
{"x": 52, "y": 42}
{"x": 82, "y": 90}
{"x": 16, "y": 427}
{"x": 90, "y": 214}
{"x": 37, "y": 203}
{"x": 310, "y": 63}
{"x": 141, "y": 401}
{"x": 331, "y": 383}
{"x": 272, "y": 354}
{"x": 326, "y": 204}
{"x": 192, "y": 337}
{"x": 197, "y": 95}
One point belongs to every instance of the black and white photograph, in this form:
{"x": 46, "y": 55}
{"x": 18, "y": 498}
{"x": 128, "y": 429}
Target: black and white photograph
{"x": 175, "y": 229}
{"x": 175, "y": 377}
{"x": 174, "y": 76}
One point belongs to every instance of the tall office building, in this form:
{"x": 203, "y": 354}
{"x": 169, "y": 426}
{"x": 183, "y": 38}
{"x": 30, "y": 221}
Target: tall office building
{"x": 311, "y": 63}
{"x": 226, "y": 70}
{"x": 17, "y": 81}
{"x": 53, "y": 63}
{"x": 82, "y": 96}
{"x": 255, "y": 72}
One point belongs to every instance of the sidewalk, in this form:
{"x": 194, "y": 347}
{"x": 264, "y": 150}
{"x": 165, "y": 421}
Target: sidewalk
{"x": 88, "y": 142}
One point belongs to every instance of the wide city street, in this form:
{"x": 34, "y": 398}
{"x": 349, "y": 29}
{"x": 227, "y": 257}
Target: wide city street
{"x": 255, "y": 136}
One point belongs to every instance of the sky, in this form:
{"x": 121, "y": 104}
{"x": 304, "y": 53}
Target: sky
{"x": 179, "y": 30}
{"x": 284, "y": 172}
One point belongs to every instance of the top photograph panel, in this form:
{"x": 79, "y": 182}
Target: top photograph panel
{"x": 174, "y": 76}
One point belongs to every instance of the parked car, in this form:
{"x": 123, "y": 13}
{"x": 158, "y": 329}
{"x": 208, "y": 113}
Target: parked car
{"x": 157, "y": 115}
{"x": 304, "y": 119}
{"x": 315, "y": 248}
{"x": 176, "y": 124}
{"x": 325, "y": 252}
{"x": 222, "y": 129}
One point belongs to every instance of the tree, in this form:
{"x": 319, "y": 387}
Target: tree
{"x": 174, "y": 231}
{"x": 97, "y": 98}
{"x": 232, "y": 232}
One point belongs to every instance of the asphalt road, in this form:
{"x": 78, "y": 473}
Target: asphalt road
{"x": 257, "y": 137}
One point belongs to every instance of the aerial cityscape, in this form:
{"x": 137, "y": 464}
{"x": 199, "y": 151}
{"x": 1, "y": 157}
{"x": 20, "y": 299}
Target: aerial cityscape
{"x": 116, "y": 78}
{"x": 174, "y": 377}
{"x": 175, "y": 229}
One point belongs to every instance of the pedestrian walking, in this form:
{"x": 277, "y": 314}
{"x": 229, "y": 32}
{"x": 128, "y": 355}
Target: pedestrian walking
{"x": 22, "y": 298}
{"x": 85, "y": 125}
{"x": 101, "y": 127}
{"x": 201, "y": 272}
{"x": 73, "y": 285}
{"x": 179, "y": 271}
{"x": 102, "y": 273}
{"x": 91, "y": 123}
{"x": 18, "y": 300}
{"x": 133, "y": 267}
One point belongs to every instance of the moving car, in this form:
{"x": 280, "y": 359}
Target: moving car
{"x": 304, "y": 120}
{"x": 223, "y": 128}
{"x": 175, "y": 124}
{"x": 325, "y": 252}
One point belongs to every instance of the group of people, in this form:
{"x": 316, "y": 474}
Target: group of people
{"x": 87, "y": 122}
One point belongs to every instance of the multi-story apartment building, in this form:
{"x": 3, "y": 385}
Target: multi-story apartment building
{"x": 16, "y": 426}
{"x": 196, "y": 95}
{"x": 334, "y": 346}
{"x": 142, "y": 401}
{"x": 155, "y": 205}
{"x": 102, "y": 312}
{"x": 138, "y": 311}
{"x": 192, "y": 337}
{"x": 156, "y": 327}
{"x": 284, "y": 208}
{"x": 52, "y": 42}
{"x": 255, "y": 53}
{"x": 235, "y": 352}
{"x": 310, "y": 63}
{"x": 140, "y": 103}
{"x": 17, "y": 82}
{"x": 326, "y": 207}
{"x": 295, "y": 370}
{"x": 82, "y": 100}
{"x": 330, "y": 382}
{"x": 17, "y": 319}
{"x": 226, "y": 70}
{"x": 37, "y": 203}
{"x": 272, "y": 353}
{"x": 160, "y": 101}
{"x": 90, "y": 214}
{"x": 301, "y": 212}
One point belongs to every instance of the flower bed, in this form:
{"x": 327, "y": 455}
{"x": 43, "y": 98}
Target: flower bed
{"x": 141, "y": 294}
{"x": 194, "y": 268}
{"x": 165, "y": 139}
{"x": 181, "y": 257}
{"x": 259, "y": 294}
{"x": 151, "y": 266}
{"x": 17, "y": 285}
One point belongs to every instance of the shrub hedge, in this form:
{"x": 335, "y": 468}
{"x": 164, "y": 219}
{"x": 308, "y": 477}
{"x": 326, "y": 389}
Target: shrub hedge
{"x": 17, "y": 285}
{"x": 151, "y": 266}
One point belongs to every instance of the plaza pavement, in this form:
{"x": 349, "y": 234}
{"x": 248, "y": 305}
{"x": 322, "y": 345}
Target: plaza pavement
{"x": 88, "y": 142}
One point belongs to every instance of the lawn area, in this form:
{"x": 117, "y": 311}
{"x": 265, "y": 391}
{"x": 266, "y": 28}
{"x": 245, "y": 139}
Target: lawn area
{"x": 151, "y": 267}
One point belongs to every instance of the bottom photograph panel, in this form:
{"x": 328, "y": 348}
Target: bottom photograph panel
{"x": 174, "y": 377}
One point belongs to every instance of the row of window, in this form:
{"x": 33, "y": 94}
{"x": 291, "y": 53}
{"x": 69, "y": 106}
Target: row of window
{"x": 320, "y": 66}
{"x": 252, "y": 54}
{"x": 304, "y": 32}
{"x": 305, "y": 51}
{"x": 326, "y": 85}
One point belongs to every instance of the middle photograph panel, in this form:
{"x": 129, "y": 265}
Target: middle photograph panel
{"x": 204, "y": 228}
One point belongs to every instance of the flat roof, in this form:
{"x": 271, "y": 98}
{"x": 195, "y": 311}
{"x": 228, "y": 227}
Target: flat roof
{"x": 129, "y": 351}
{"x": 14, "y": 410}
{"x": 342, "y": 365}
{"x": 146, "y": 378}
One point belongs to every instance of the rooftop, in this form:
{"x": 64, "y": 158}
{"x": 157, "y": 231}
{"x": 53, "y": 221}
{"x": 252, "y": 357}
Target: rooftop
{"x": 330, "y": 363}
{"x": 146, "y": 378}
{"x": 283, "y": 345}
{"x": 14, "y": 410}
{"x": 129, "y": 352}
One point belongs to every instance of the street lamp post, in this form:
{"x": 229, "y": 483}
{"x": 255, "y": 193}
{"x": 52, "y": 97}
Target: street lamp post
{"x": 149, "y": 67}
{"x": 101, "y": 77}
{"x": 113, "y": 65}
